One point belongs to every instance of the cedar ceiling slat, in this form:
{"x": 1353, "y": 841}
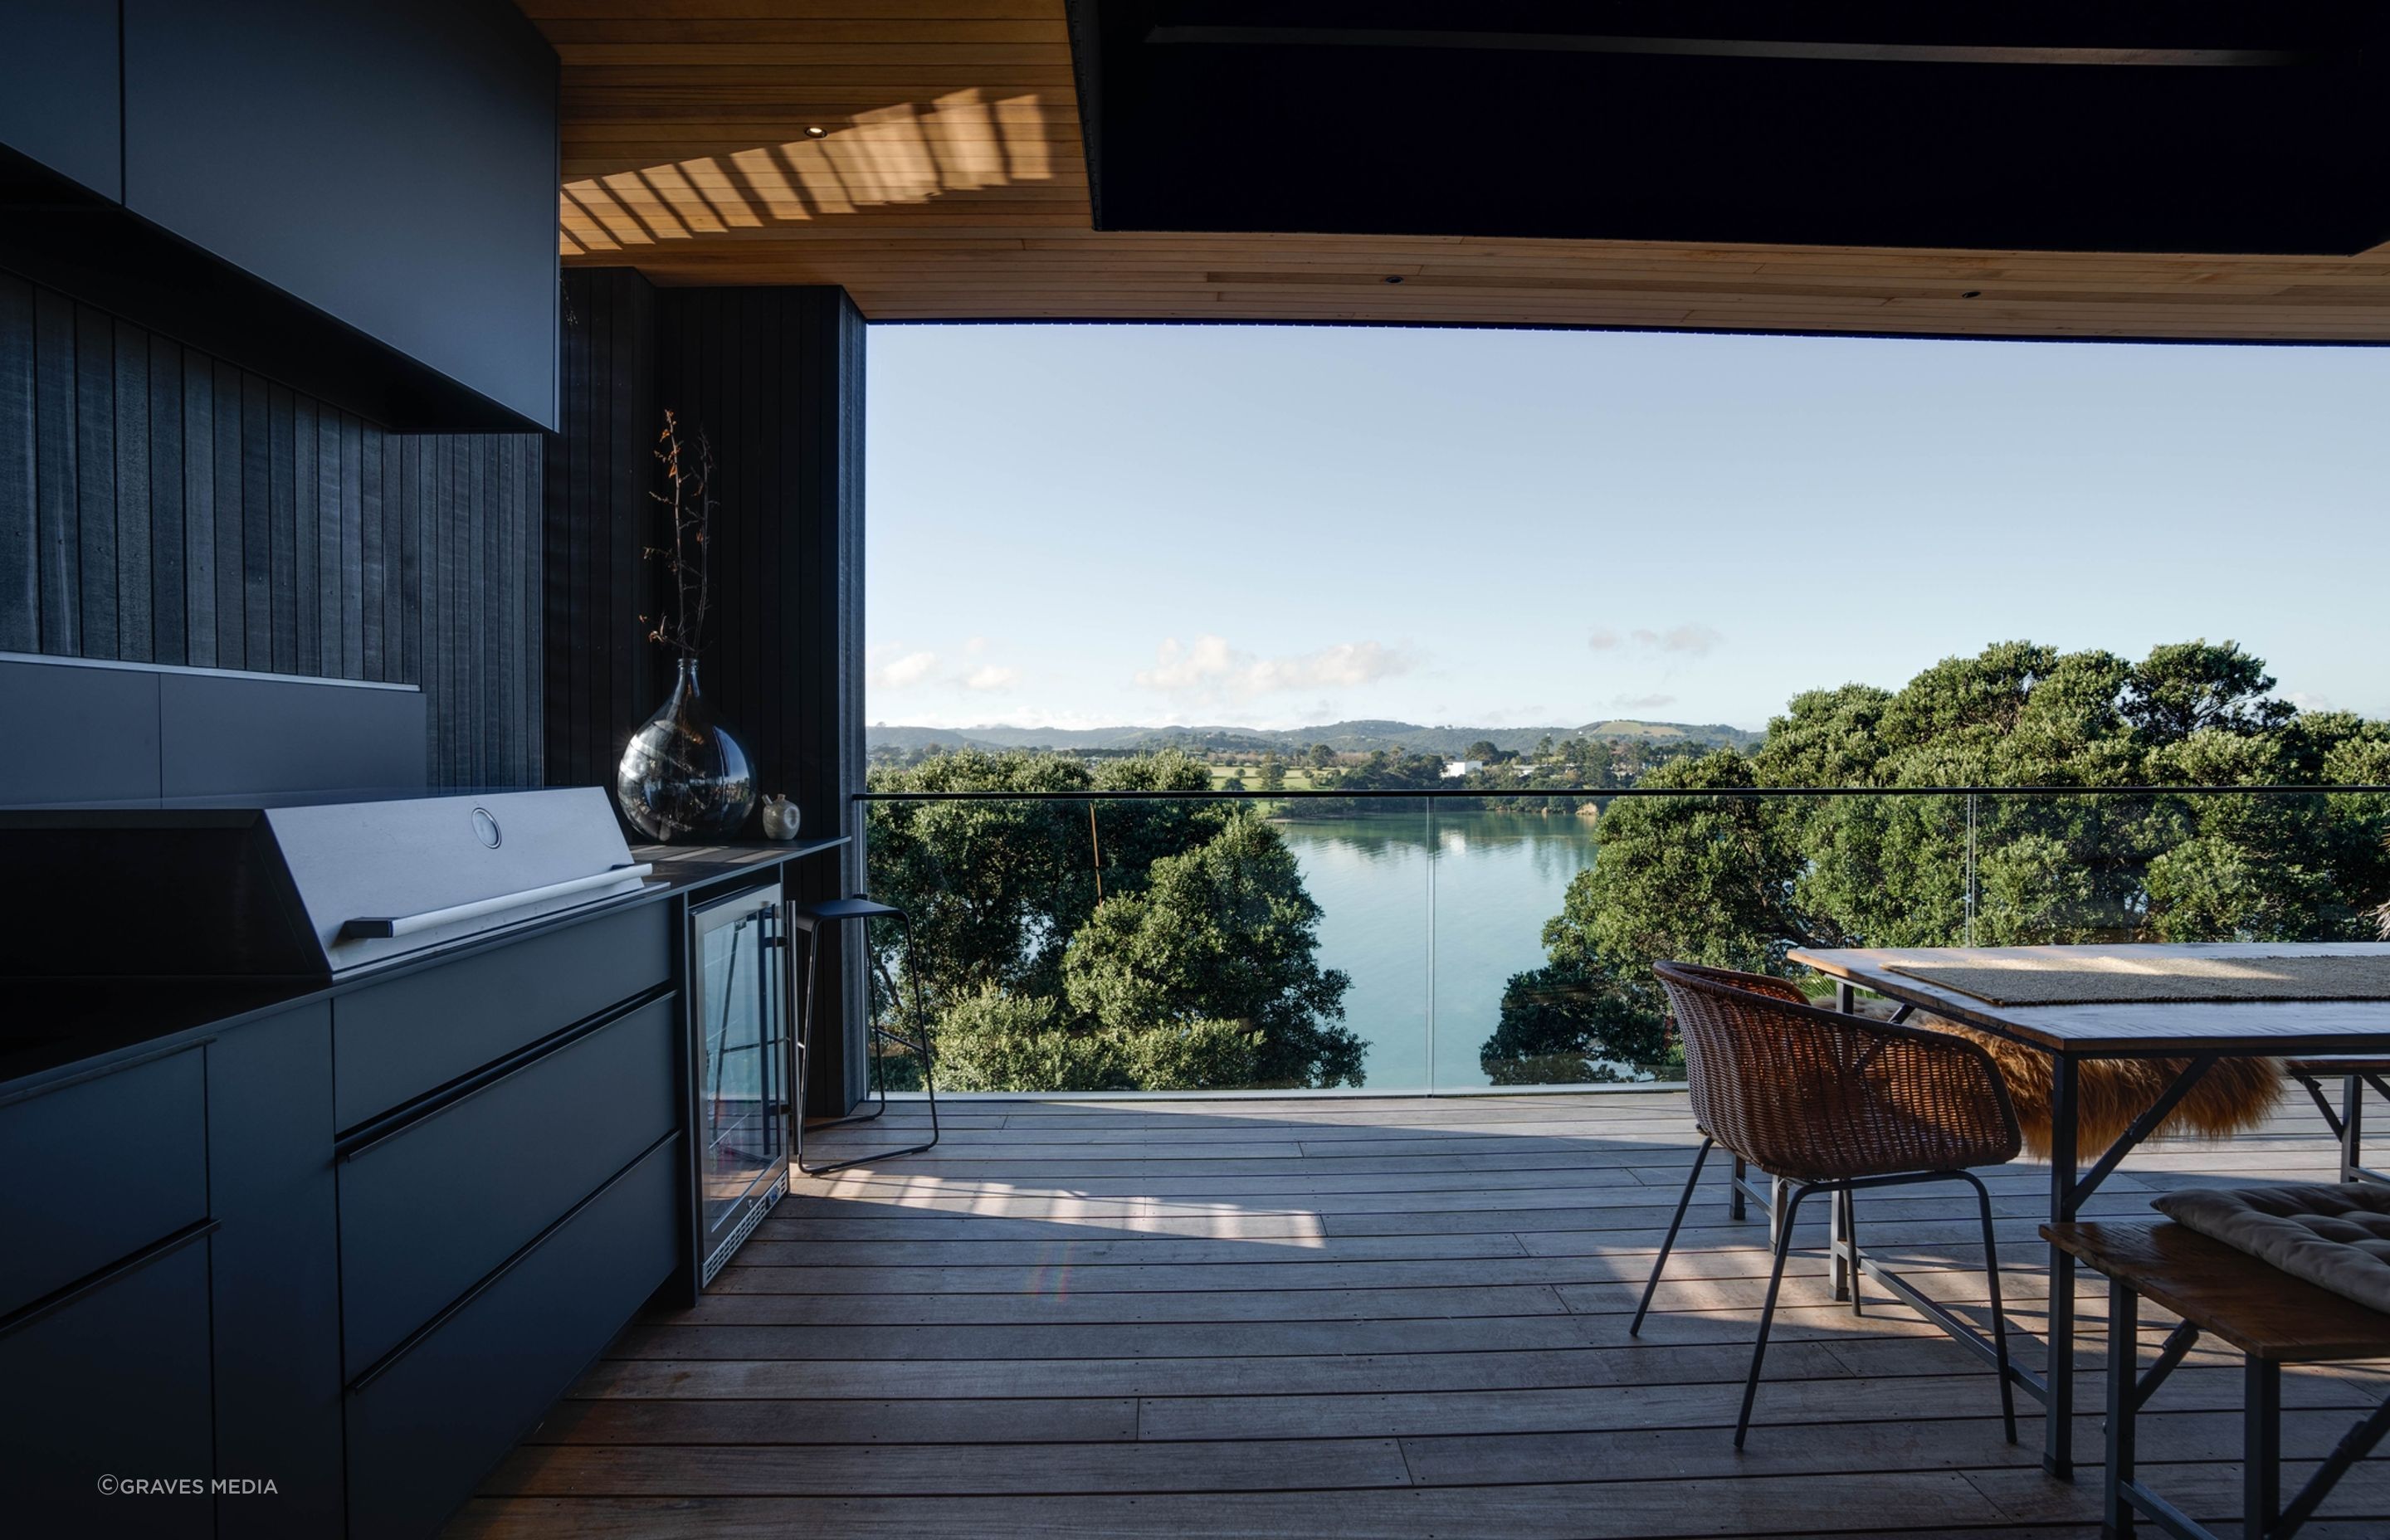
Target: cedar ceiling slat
{"x": 900, "y": 206}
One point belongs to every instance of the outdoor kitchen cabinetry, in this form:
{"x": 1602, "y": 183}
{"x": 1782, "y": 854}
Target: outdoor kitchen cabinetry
{"x": 356, "y": 1245}
{"x": 507, "y": 1199}
{"x": 357, "y": 198}
{"x": 59, "y": 103}
{"x": 104, "y": 1352}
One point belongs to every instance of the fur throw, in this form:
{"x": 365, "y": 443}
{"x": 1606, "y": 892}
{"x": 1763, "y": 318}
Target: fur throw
{"x": 2235, "y": 1096}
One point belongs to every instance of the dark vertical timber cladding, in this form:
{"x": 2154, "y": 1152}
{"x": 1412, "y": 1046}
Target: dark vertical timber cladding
{"x": 199, "y": 508}
{"x": 336, "y": 558}
{"x": 20, "y": 587}
{"x": 602, "y": 677}
{"x": 410, "y": 575}
{"x": 567, "y": 476}
{"x": 161, "y": 505}
{"x": 282, "y": 514}
{"x": 590, "y": 467}
{"x": 306, "y": 542}
{"x": 837, "y": 619}
{"x": 56, "y": 552}
{"x": 232, "y": 523}
{"x": 486, "y": 668}
{"x": 133, "y": 549}
{"x": 256, "y": 524}
{"x": 95, "y": 434}
{"x": 360, "y": 460}
{"x": 345, "y": 439}
{"x": 773, "y": 378}
{"x": 636, "y": 680}
{"x": 169, "y": 541}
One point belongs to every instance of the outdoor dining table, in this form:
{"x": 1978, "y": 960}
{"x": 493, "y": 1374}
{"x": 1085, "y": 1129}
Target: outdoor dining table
{"x": 2198, "y": 1002}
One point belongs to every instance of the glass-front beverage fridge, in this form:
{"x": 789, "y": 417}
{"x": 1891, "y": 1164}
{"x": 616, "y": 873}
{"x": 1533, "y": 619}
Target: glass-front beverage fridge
{"x": 738, "y": 985}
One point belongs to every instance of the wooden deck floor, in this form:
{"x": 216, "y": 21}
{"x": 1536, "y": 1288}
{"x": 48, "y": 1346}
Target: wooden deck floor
{"x": 1352, "y": 1318}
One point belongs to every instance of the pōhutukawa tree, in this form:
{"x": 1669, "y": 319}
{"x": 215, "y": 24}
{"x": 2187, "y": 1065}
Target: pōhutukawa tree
{"x": 1740, "y": 881}
{"x": 1135, "y": 945}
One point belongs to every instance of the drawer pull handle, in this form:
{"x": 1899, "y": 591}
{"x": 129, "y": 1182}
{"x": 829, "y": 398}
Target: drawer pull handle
{"x": 398, "y": 1120}
{"x": 373, "y": 927}
{"x": 51, "y": 1303}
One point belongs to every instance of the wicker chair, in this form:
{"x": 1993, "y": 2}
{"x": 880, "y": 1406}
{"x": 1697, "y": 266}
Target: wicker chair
{"x": 1832, "y": 1103}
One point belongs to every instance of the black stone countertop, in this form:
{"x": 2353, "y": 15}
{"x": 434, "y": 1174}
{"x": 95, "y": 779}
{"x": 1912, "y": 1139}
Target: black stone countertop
{"x": 54, "y": 1028}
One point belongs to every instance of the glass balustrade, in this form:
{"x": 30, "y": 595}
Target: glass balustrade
{"x": 1457, "y": 941}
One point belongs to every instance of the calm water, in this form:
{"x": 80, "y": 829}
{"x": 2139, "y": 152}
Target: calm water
{"x": 1497, "y": 878}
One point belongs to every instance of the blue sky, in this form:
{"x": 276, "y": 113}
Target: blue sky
{"x": 1080, "y": 526}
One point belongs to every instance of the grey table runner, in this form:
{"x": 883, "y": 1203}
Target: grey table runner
{"x": 2053, "y": 979}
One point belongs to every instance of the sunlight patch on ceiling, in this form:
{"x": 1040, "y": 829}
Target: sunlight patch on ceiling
{"x": 910, "y": 153}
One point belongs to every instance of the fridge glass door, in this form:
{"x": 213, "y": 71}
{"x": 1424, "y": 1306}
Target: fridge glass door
{"x": 742, "y": 1066}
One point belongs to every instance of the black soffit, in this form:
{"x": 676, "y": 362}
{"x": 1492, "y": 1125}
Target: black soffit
{"x": 2164, "y": 127}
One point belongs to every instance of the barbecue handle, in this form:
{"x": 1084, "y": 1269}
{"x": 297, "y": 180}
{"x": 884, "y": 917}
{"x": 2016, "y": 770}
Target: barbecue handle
{"x": 369, "y": 926}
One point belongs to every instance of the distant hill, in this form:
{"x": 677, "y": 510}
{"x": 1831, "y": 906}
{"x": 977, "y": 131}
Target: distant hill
{"x": 1350, "y": 738}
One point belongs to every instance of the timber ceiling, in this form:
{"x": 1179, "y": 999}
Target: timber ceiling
{"x": 926, "y": 155}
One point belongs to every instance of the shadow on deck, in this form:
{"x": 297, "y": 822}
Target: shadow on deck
{"x": 1318, "y": 1319}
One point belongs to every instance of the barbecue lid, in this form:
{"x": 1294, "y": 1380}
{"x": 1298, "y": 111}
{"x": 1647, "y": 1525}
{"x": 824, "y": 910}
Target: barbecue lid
{"x": 306, "y": 889}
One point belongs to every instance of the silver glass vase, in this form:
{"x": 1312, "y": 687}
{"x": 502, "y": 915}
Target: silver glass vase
{"x": 683, "y": 777}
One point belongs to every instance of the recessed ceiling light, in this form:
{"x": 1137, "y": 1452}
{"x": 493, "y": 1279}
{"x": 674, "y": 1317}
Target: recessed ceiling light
{"x": 816, "y": 134}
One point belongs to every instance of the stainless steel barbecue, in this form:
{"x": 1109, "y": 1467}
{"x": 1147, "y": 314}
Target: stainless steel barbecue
{"x": 315, "y": 889}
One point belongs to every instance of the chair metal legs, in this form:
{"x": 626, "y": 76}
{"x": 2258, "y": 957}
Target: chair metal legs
{"x": 1847, "y": 1252}
{"x": 1684, "y": 1202}
{"x": 1999, "y": 1318}
{"x": 1842, "y": 1194}
{"x": 1767, "y": 1309}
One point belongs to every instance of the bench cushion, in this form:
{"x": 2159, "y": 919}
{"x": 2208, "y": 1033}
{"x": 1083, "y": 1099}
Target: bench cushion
{"x": 2334, "y": 1236}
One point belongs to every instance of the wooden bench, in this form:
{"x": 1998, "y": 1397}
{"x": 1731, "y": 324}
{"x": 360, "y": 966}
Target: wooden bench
{"x": 2272, "y": 1318}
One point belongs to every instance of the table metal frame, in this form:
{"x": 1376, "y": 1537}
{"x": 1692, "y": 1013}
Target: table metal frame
{"x": 2069, "y": 1185}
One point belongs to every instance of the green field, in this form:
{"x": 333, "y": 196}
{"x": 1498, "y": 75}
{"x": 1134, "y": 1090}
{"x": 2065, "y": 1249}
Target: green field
{"x": 1298, "y": 777}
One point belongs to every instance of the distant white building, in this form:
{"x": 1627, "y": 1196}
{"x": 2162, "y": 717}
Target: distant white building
{"x": 1456, "y": 768}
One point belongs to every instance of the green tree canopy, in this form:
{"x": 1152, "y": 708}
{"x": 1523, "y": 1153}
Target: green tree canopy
{"x": 1105, "y": 945}
{"x": 1739, "y": 882}
{"x": 1222, "y": 932}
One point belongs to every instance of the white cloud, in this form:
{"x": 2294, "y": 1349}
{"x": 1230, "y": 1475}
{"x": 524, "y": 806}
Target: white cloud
{"x": 976, "y": 646}
{"x": 1690, "y": 639}
{"x": 1210, "y": 669}
{"x": 1643, "y": 703}
{"x": 904, "y": 672}
{"x": 991, "y": 677}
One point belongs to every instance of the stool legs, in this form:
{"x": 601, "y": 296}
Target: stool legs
{"x": 874, "y": 1033}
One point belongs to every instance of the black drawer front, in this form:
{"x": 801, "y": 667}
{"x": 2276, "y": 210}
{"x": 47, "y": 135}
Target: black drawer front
{"x": 114, "y": 1384}
{"x": 396, "y": 1041}
{"x": 423, "y": 1432}
{"x": 429, "y": 1211}
{"x": 98, "y": 1170}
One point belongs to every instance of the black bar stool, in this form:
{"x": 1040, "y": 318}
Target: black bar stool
{"x": 810, "y": 919}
